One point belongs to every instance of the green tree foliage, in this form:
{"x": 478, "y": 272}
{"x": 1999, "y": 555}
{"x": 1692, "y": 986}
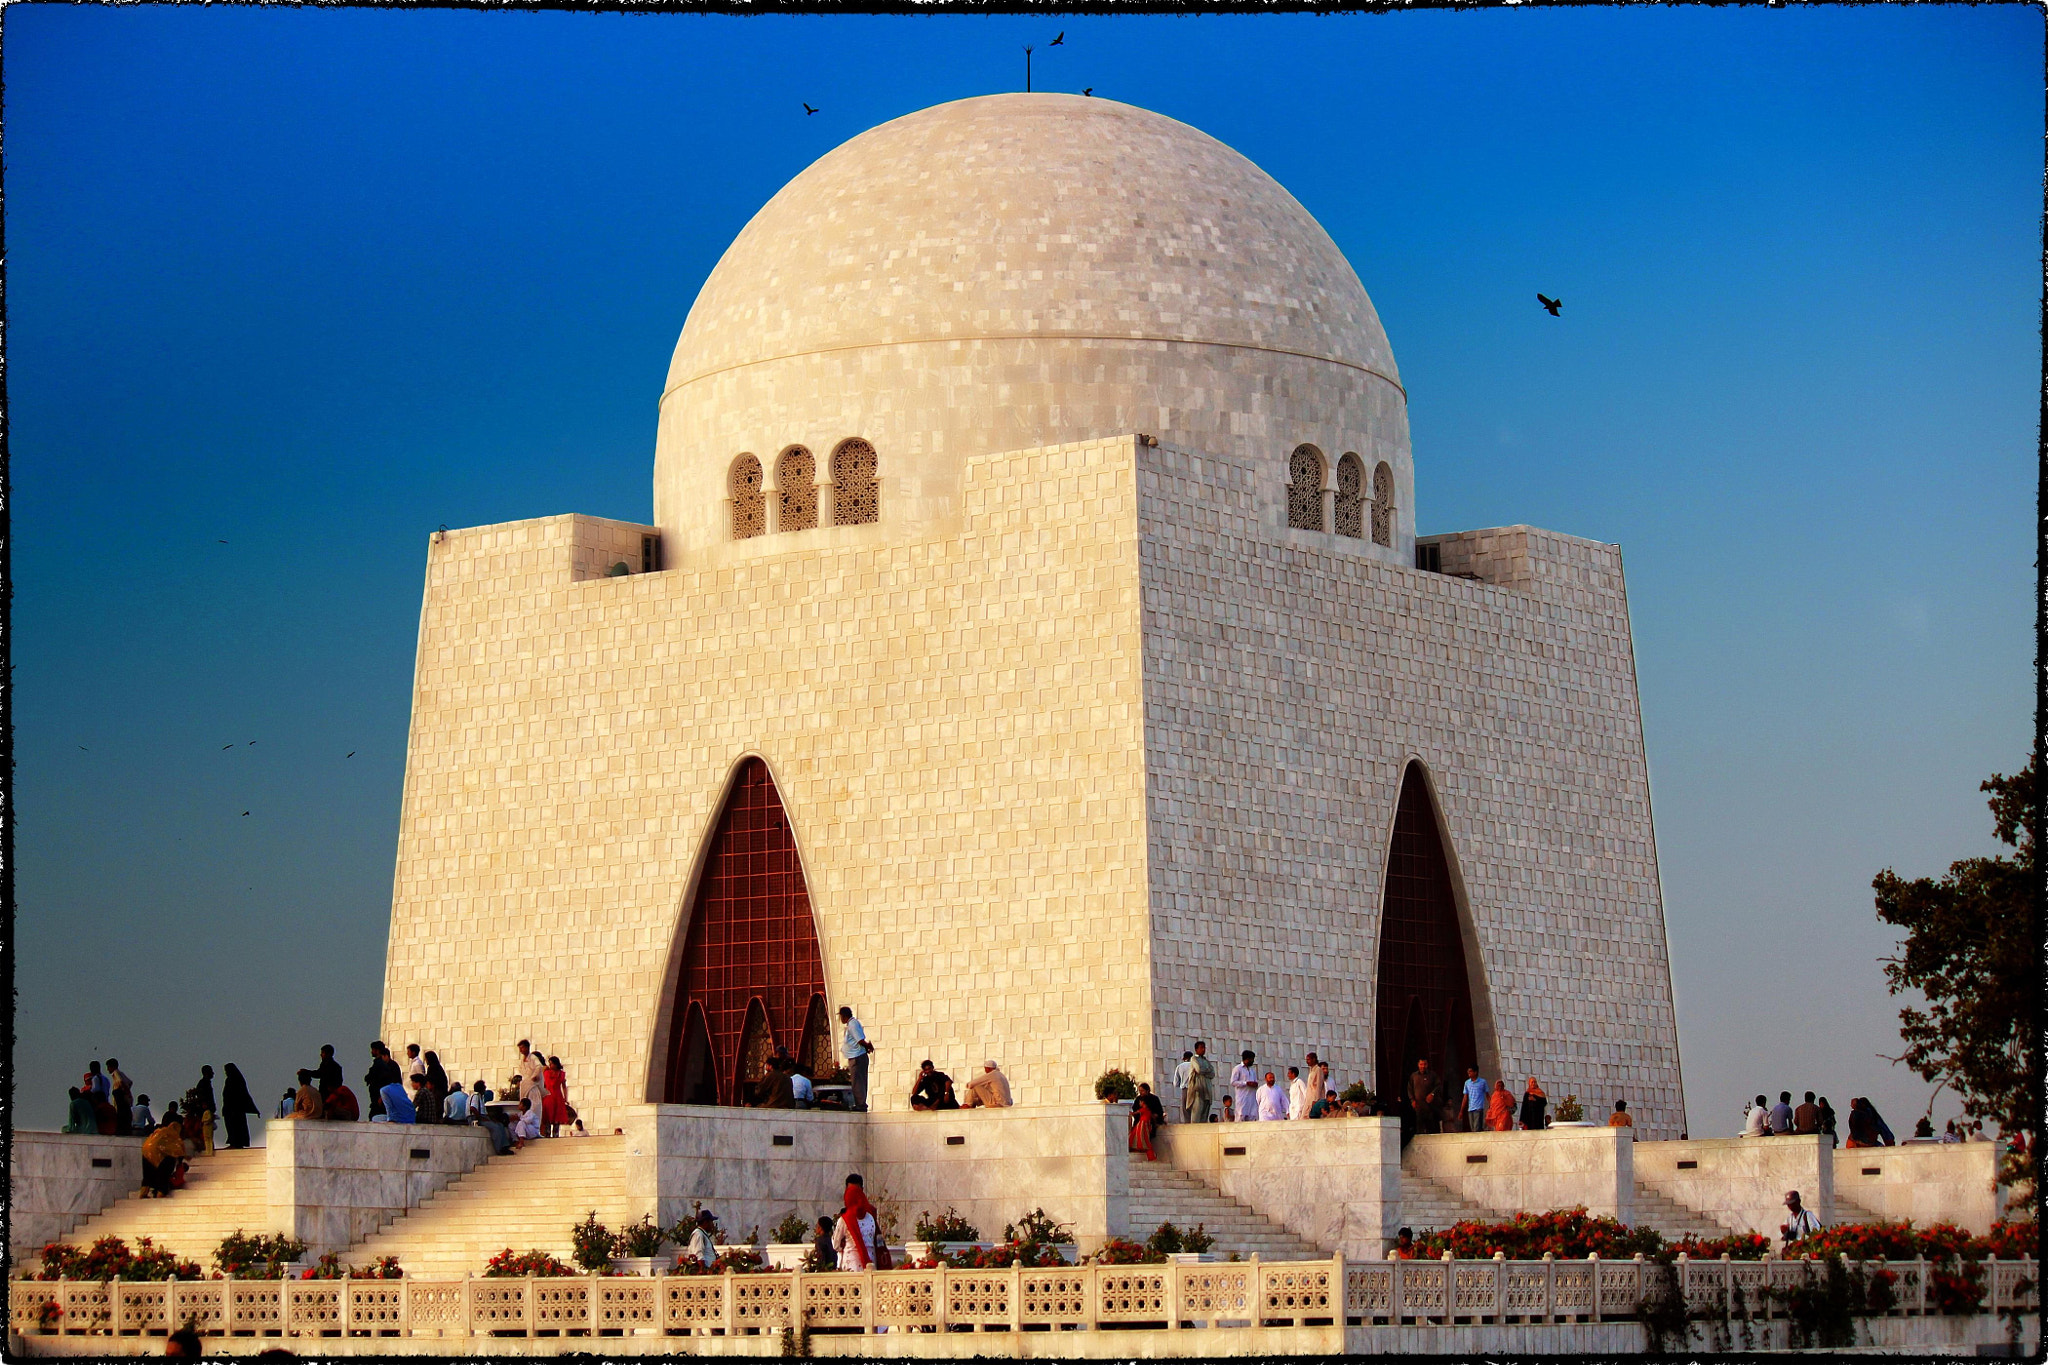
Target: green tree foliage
{"x": 1973, "y": 950}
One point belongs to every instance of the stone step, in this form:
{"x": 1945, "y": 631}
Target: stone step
{"x": 224, "y": 1192}
{"x": 1654, "y": 1208}
{"x": 1162, "y": 1194}
{"x": 1428, "y": 1205}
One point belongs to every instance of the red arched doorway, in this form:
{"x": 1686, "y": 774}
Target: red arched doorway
{"x": 1425, "y": 994}
{"x": 751, "y": 976}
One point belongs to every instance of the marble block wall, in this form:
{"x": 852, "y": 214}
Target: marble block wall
{"x": 953, "y": 727}
{"x": 1290, "y": 678}
{"x": 729, "y": 1160}
{"x": 1741, "y": 1182}
{"x": 1951, "y": 1182}
{"x": 1335, "y": 1183}
{"x": 1068, "y": 1159}
{"x": 333, "y": 1184}
{"x": 1072, "y": 1160}
{"x": 54, "y": 1183}
{"x": 1559, "y": 1168}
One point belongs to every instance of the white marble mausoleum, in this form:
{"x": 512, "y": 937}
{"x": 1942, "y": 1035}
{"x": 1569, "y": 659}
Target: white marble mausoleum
{"x": 1034, "y": 650}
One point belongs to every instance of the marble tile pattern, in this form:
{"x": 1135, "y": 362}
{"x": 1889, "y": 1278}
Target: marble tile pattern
{"x": 1561, "y": 1168}
{"x": 1335, "y": 1183}
{"x": 953, "y": 725}
{"x": 333, "y": 1184}
{"x": 1740, "y": 1183}
{"x": 1015, "y": 271}
{"x": 53, "y": 1186}
{"x": 1108, "y": 768}
{"x": 1289, "y": 680}
{"x": 1926, "y": 1182}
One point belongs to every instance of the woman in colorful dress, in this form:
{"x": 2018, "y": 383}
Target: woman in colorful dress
{"x": 555, "y": 1112}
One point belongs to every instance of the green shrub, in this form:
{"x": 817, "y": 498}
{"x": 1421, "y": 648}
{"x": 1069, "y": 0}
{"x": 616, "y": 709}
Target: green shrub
{"x": 1116, "y": 1084}
{"x": 256, "y": 1256}
{"x": 643, "y": 1238}
{"x": 594, "y": 1243}
{"x": 945, "y": 1227}
{"x": 1037, "y": 1228}
{"x": 791, "y": 1231}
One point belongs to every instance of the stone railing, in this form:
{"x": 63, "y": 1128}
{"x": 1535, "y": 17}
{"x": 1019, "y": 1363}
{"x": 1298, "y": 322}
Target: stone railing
{"x": 1083, "y": 1297}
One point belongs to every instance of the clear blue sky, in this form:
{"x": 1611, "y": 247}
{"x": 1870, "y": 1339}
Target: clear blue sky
{"x": 312, "y": 282}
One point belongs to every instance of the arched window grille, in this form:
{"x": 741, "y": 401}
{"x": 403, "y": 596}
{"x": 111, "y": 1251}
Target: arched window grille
{"x": 856, "y": 493}
{"x": 796, "y": 483}
{"x": 749, "y": 510}
{"x": 1383, "y": 505}
{"x": 1305, "y": 489}
{"x": 1351, "y": 497}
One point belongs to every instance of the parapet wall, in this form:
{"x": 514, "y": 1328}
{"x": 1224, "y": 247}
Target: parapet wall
{"x": 1334, "y": 1183}
{"x": 332, "y": 1184}
{"x": 1948, "y": 1182}
{"x": 1559, "y": 1168}
{"x": 55, "y": 1181}
{"x": 1741, "y": 1183}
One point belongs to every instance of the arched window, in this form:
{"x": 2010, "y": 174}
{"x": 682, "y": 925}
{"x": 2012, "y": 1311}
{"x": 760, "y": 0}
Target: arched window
{"x": 1350, "y": 497}
{"x": 1425, "y": 992}
{"x": 796, "y": 483}
{"x": 1383, "y": 505}
{"x": 749, "y": 511}
{"x": 856, "y": 495}
{"x": 1305, "y": 489}
{"x": 750, "y": 969}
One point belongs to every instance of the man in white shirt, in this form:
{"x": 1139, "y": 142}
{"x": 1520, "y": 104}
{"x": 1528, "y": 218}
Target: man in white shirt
{"x": 1757, "y": 1122}
{"x": 527, "y": 1129}
{"x": 800, "y": 1090}
{"x": 701, "y": 1248}
{"x": 1299, "y": 1096}
{"x": 1244, "y": 1089}
{"x": 527, "y": 1073}
{"x": 414, "y": 1066}
{"x": 455, "y": 1108}
{"x": 1272, "y": 1100}
{"x": 855, "y": 1048}
{"x": 1803, "y": 1222}
{"x": 1180, "y": 1083}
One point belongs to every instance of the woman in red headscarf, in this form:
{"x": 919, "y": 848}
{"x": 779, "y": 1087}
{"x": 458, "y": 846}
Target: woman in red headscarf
{"x": 853, "y": 1236}
{"x": 1146, "y": 1116}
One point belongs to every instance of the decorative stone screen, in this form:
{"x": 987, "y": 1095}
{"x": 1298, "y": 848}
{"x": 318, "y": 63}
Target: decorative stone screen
{"x": 1351, "y": 497}
{"x": 796, "y": 482}
{"x": 1305, "y": 489}
{"x": 856, "y": 498}
{"x": 751, "y": 963}
{"x": 749, "y": 512}
{"x": 1383, "y": 505}
{"x": 1425, "y": 997}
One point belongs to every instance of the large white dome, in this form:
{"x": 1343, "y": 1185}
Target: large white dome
{"x": 1018, "y": 270}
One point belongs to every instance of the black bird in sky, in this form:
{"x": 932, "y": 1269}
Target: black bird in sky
{"x": 220, "y": 542}
{"x": 83, "y": 747}
{"x": 225, "y": 747}
{"x": 1551, "y": 304}
{"x": 1089, "y": 91}
{"x": 807, "y": 108}
{"x": 1057, "y": 41}
{"x": 245, "y": 812}
{"x": 350, "y": 754}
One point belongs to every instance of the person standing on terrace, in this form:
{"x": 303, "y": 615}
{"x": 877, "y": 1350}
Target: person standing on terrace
{"x": 1244, "y": 1087}
{"x": 855, "y": 1049}
{"x": 1200, "y": 1093}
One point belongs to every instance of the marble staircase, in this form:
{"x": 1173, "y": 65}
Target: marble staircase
{"x": 1162, "y": 1194}
{"x": 1658, "y": 1210}
{"x": 224, "y": 1192}
{"x": 527, "y": 1201}
{"x": 1428, "y": 1204}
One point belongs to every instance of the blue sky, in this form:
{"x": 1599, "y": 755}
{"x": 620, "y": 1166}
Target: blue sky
{"x": 312, "y": 282}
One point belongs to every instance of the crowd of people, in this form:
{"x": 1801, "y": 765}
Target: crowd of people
{"x": 418, "y": 1091}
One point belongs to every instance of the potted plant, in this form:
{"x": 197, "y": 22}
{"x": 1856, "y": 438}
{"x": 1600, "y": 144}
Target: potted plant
{"x": 942, "y": 1234}
{"x": 636, "y": 1248}
{"x": 1116, "y": 1084}
{"x": 1183, "y": 1246}
{"x": 1571, "y": 1114}
{"x": 593, "y": 1243}
{"x": 789, "y": 1245}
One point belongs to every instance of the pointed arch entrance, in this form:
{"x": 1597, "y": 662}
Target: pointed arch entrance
{"x": 1425, "y": 986}
{"x": 751, "y": 977}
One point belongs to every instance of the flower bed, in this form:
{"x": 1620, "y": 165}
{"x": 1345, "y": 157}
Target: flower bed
{"x": 1736, "y": 1246}
{"x": 1120, "y": 1251}
{"x": 1564, "y": 1233}
{"x": 510, "y": 1264}
{"x": 109, "y": 1257}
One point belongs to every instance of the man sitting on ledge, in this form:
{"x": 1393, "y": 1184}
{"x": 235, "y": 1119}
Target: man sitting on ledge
{"x": 934, "y": 1089}
{"x": 991, "y": 1089}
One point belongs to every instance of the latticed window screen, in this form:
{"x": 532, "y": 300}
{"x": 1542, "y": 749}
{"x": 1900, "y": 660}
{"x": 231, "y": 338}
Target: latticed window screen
{"x": 1383, "y": 506}
{"x": 752, "y": 945}
{"x": 1351, "y": 498}
{"x": 1425, "y": 998}
{"x": 749, "y": 512}
{"x": 1305, "y": 489}
{"x": 796, "y": 482}
{"x": 856, "y": 493}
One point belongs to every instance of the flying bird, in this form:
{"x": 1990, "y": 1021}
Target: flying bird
{"x": 83, "y": 747}
{"x": 807, "y": 108}
{"x": 1089, "y": 91}
{"x": 226, "y": 747}
{"x": 220, "y": 542}
{"x": 1057, "y": 41}
{"x": 350, "y": 754}
{"x": 1551, "y": 304}
{"x": 245, "y": 812}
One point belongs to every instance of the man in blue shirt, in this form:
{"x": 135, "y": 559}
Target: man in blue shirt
{"x": 397, "y": 1104}
{"x": 1475, "y": 1101}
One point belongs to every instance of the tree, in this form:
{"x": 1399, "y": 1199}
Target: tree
{"x": 1973, "y": 950}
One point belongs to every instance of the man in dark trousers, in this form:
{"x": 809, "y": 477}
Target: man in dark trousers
{"x": 1426, "y": 1097}
{"x": 383, "y": 1071}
